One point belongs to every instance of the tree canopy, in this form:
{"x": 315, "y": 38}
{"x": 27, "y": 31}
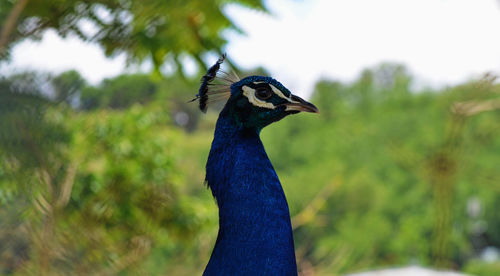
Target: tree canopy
{"x": 163, "y": 32}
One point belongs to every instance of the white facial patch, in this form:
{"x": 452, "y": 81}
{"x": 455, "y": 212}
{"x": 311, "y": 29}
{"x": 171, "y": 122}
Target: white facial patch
{"x": 250, "y": 94}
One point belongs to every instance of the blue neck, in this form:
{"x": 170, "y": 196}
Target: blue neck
{"x": 255, "y": 234}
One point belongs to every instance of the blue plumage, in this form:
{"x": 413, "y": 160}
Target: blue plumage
{"x": 255, "y": 233}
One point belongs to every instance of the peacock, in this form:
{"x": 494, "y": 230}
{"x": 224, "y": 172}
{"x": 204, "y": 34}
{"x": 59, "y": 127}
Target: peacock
{"x": 255, "y": 233}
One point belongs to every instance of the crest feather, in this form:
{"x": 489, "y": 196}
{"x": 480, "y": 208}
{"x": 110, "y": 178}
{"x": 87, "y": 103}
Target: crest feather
{"x": 215, "y": 85}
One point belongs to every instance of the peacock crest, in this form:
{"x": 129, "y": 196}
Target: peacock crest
{"x": 215, "y": 85}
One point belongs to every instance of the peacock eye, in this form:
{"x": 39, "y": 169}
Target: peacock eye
{"x": 263, "y": 93}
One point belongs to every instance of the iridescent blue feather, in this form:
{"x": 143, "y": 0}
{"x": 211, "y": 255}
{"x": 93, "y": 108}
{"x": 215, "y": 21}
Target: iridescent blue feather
{"x": 255, "y": 233}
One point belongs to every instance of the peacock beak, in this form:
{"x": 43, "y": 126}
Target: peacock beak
{"x": 299, "y": 104}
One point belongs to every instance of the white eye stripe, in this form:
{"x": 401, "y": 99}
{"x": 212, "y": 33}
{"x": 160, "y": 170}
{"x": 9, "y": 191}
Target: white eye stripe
{"x": 281, "y": 95}
{"x": 277, "y": 92}
{"x": 250, "y": 94}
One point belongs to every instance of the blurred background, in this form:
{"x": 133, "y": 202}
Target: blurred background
{"x": 102, "y": 158}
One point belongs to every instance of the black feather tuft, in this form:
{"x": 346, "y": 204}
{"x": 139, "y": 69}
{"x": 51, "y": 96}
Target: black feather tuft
{"x": 205, "y": 81}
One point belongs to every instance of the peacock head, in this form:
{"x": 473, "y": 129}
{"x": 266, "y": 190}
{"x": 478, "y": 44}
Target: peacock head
{"x": 257, "y": 101}
{"x": 253, "y": 102}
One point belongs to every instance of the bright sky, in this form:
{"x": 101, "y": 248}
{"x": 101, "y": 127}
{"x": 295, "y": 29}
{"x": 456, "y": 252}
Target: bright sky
{"x": 441, "y": 41}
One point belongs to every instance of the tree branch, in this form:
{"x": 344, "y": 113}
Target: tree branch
{"x": 10, "y": 23}
{"x": 67, "y": 186}
{"x": 473, "y": 107}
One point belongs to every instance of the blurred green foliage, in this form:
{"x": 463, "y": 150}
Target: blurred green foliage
{"x": 383, "y": 176}
{"x": 120, "y": 92}
{"x": 482, "y": 268}
{"x": 108, "y": 179}
{"x": 92, "y": 193}
{"x": 67, "y": 86}
{"x": 163, "y": 32}
{"x": 405, "y": 169}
